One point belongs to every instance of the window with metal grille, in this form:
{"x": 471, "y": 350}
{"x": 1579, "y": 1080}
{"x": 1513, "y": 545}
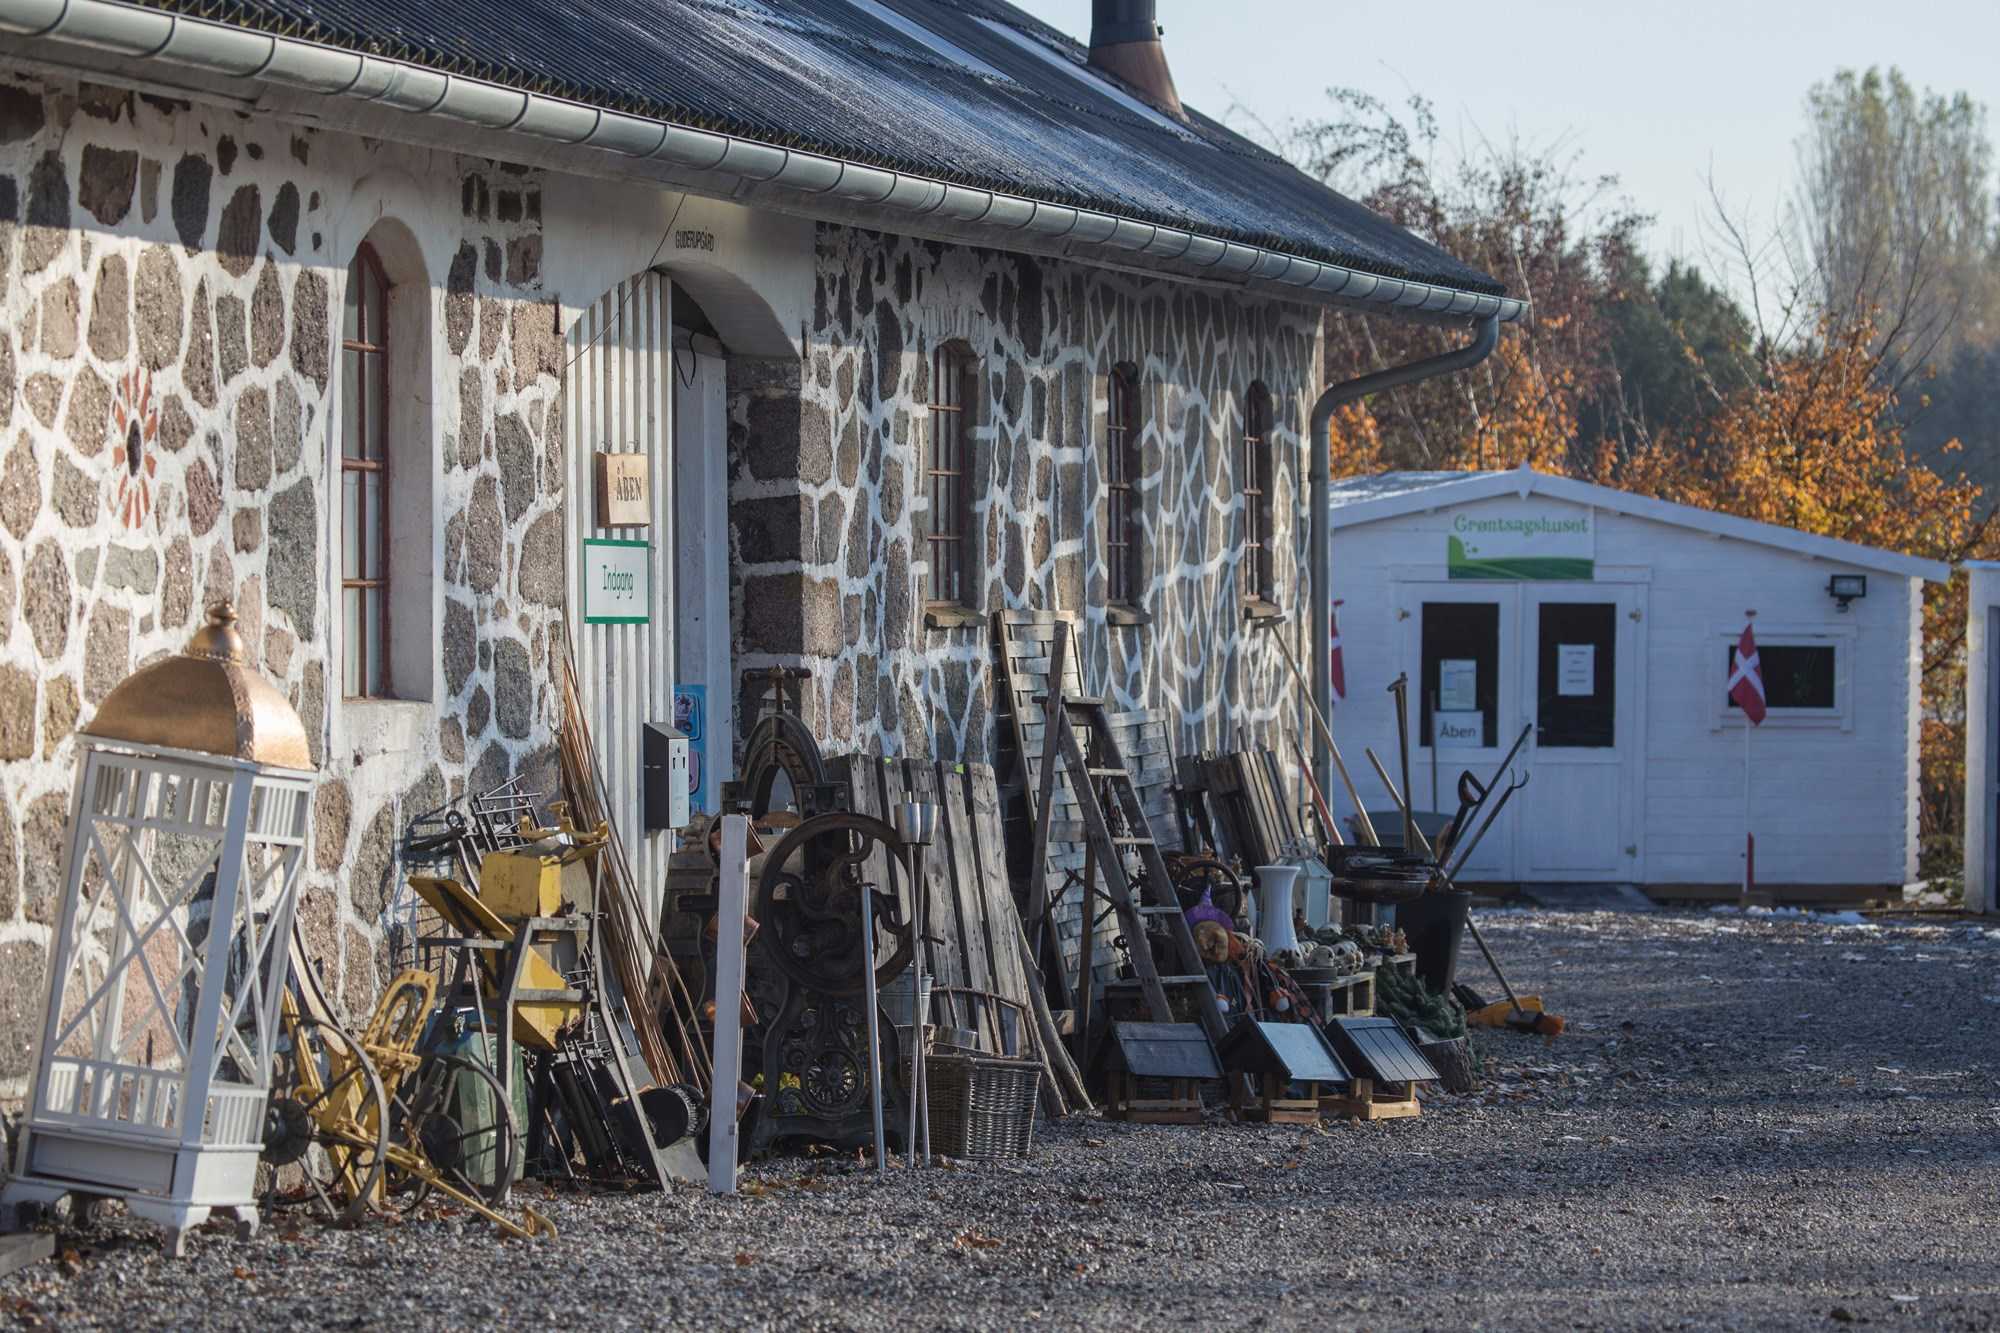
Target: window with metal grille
{"x": 1121, "y": 480}
{"x": 948, "y": 474}
{"x": 1259, "y": 565}
{"x": 364, "y": 478}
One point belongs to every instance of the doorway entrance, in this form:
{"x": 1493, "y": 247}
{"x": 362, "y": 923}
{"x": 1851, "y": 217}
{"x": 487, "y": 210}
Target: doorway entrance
{"x": 1565, "y": 661}
{"x": 648, "y": 541}
{"x": 1578, "y": 671}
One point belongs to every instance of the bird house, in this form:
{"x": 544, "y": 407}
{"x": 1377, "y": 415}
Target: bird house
{"x": 186, "y": 835}
{"x": 1154, "y": 1072}
{"x": 1285, "y": 1067}
{"x": 1387, "y": 1066}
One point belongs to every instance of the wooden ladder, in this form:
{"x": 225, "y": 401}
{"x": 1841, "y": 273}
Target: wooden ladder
{"x": 1088, "y": 767}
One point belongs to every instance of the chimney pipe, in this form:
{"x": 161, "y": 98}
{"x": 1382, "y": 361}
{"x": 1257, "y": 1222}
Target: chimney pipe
{"x": 1125, "y": 43}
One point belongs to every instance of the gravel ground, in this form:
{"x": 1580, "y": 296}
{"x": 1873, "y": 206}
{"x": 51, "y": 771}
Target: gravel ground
{"x": 1752, "y": 1122}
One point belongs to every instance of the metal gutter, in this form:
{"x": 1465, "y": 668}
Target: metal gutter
{"x": 1486, "y": 336}
{"x": 138, "y": 34}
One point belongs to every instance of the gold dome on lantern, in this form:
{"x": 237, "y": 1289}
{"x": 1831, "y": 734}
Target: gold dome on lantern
{"x": 207, "y": 698}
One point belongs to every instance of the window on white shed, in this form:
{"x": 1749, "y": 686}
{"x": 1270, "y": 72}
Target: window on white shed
{"x": 1799, "y": 677}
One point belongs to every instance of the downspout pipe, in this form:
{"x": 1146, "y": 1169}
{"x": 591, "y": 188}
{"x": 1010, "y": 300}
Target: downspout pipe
{"x": 1486, "y": 336}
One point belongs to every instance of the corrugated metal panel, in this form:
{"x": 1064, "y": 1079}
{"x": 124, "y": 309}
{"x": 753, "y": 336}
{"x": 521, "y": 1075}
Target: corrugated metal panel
{"x": 619, "y": 400}
{"x": 828, "y": 77}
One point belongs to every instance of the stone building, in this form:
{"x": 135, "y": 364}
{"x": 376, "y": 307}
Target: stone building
{"x": 913, "y": 312}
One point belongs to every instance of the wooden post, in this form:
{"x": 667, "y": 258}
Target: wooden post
{"x": 731, "y": 909}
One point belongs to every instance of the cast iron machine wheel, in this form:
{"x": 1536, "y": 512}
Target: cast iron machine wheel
{"x": 808, "y": 903}
{"x": 1195, "y": 875}
{"x": 453, "y": 1113}
{"x": 328, "y": 1116}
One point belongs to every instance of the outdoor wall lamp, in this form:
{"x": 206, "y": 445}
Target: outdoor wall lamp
{"x": 1845, "y": 588}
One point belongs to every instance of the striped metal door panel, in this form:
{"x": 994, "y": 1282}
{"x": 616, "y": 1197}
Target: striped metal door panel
{"x": 619, "y": 400}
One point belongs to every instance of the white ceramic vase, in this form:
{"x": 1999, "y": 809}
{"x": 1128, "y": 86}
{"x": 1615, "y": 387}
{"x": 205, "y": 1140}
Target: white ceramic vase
{"x": 1274, "y": 908}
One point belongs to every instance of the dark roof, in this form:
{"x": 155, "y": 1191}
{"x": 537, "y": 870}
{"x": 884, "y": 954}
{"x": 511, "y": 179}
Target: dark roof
{"x": 830, "y": 77}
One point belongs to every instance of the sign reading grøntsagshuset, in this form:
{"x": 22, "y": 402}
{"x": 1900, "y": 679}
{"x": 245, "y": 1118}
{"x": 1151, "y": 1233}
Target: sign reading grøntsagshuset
{"x": 617, "y": 581}
{"x": 1523, "y": 543}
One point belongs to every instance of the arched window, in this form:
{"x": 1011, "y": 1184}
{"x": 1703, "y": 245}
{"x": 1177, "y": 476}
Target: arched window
{"x": 384, "y": 525}
{"x": 1259, "y": 565}
{"x": 1121, "y": 480}
{"x": 364, "y": 478}
{"x": 948, "y": 474}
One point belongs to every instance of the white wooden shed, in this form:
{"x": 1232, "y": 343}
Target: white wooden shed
{"x": 1604, "y": 624}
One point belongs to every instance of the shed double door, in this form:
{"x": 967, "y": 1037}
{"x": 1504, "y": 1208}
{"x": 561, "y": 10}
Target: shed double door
{"x": 1565, "y": 660}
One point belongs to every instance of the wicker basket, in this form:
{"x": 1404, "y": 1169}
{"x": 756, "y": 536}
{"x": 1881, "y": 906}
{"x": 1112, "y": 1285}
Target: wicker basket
{"x": 982, "y": 1106}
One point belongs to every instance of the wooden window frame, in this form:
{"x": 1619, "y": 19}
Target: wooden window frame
{"x": 1258, "y": 564}
{"x": 371, "y": 343}
{"x": 948, "y": 475}
{"x": 1123, "y": 465}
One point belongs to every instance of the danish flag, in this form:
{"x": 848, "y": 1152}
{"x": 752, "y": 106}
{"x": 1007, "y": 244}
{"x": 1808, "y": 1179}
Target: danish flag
{"x": 1746, "y": 679}
{"x": 1336, "y": 670}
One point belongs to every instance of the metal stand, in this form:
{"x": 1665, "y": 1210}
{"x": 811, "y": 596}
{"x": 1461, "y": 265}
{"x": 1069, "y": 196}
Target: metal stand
{"x": 727, "y": 1061}
{"x": 874, "y": 1029}
{"x": 916, "y": 825}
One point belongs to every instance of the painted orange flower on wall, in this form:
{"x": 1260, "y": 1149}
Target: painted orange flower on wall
{"x": 137, "y": 418}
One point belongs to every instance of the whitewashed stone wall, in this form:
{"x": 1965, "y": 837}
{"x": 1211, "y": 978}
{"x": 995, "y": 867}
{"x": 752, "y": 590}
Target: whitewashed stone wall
{"x": 171, "y": 278}
{"x": 827, "y": 495}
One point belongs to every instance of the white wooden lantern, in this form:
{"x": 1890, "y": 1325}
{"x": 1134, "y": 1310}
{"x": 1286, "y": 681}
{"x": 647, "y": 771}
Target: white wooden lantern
{"x": 186, "y": 836}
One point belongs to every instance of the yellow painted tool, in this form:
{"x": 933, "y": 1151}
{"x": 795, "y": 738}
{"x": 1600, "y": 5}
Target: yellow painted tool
{"x": 536, "y": 1022}
{"x": 344, "y": 1089}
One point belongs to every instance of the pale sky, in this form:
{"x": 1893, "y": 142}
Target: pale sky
{"x": 1657, "y": 93}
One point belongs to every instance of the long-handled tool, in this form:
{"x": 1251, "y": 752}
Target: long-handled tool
{"x": 1400, "y": 687}
{"x": 874, "y": 1028}
{"x": 1462, "y": 852}
{"x": 1469, "y": 807}
{"x": 1320, "y": 807}
{"x": 1519, "y": 1017}
{"x": 1361, "y": 820}
{"x": 1434, "y": 753}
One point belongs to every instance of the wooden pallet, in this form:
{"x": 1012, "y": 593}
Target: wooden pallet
{"x": 973, "y": 926}
{"x": 1248, "y": 797}
{"x": 1365, "y": 1101}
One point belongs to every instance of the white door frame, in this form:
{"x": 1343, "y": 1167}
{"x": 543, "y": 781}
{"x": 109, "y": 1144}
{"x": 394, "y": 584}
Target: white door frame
{"x": 700, "y": 562}
{"x": 1630, "y": 598}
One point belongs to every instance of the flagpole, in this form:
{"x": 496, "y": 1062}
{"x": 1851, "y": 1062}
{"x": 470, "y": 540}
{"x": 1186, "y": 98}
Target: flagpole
{"x": 1749, "y": 846}
{"x": 1746, "y": 808}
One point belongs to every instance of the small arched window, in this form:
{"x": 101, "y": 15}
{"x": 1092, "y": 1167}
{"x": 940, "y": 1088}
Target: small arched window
{"x": 948, "y": 474}
{"x": 1259, "y": 563}
{"x": 364, "y": 478}
{"x": 1121, "y": 481}
{"x": 382, "y": 511}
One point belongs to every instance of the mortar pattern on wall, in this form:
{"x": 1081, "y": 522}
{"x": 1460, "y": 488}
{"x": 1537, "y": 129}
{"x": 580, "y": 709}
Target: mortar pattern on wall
{"x": 184, "y": 251}
{"x": 837, "y": 522}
